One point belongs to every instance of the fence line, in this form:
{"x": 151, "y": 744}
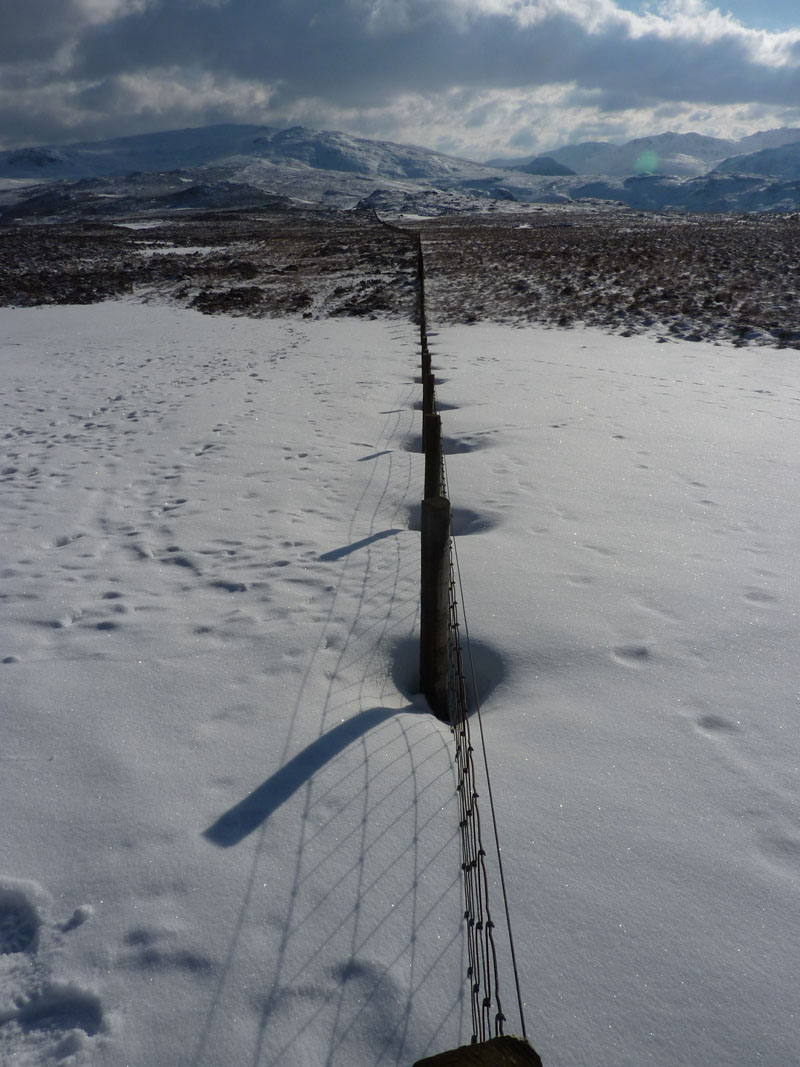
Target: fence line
{"x": 488, "y": 1018}
{"x": 444, "y": 685}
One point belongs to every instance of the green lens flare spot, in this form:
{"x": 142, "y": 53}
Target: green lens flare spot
{"x": 647, "y": 162}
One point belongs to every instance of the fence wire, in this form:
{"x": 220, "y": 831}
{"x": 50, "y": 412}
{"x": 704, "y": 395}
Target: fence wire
{"x": 488, "y": 1018}
{"x": 482, "y": 975}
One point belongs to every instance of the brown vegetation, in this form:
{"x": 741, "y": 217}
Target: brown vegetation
{"x": 693, "y": 277}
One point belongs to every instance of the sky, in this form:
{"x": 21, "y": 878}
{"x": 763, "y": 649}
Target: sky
{"x": 476, "y": 78}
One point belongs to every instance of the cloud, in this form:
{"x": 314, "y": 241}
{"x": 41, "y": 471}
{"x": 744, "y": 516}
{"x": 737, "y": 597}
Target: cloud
{"x": 85, "y": 67}
{"x": 42, "y": 29}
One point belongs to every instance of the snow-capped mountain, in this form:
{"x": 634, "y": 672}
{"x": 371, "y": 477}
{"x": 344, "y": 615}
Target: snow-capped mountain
{"x": 756, "y": 142}
{"x": 179, "y": 149}
{"x": 681, "y": 154}
{"x": 782, "y": 162}
{"x": 256, "y": 167}
{"x": 169, "y": 150}
{"x": 673, "y": 154}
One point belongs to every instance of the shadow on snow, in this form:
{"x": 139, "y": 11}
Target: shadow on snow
{"x": 246, "y": 816}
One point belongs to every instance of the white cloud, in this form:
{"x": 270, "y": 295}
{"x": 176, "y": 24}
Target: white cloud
{"x": 100, "y": 11}
{"x": 478, "y": 75}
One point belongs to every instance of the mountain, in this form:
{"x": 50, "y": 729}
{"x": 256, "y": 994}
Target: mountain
{"x": 255, "y": 168}
{"x": 180, "y": 149}
{"x": 755, "y": 142}
{"x": 681, "y": 154}
{"x": 329, "y": 150}
{"x": 783, "y": 162}
{"x": 713, "y": 193}
{"x": 544, "y": 165}
{"x": 676, "y": 154}
{"x": 170, "y": 150}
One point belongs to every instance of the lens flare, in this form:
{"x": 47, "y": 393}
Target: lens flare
{"x": 647, "y": 162}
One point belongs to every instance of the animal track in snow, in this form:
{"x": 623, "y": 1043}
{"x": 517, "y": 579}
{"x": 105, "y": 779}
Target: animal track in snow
{"x": 66, "y": 539}
{"x": 601, "y": 550}
{"x": 716, "y": 724}
{"x": 632, "y": 655}
{"x": 151, "y": 947}
{"x": 760, "y": 596}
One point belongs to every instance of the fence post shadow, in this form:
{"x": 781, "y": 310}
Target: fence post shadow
{"x": 243, "y": 818}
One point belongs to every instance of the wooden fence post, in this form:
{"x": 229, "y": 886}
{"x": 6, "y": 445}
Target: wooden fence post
{"x": 434, "y": 607}
{"x": 428, "y": 394}
{"x": 432, "y": 436}
{"x": 423, "y": 324}
{"x": 499, "y": 1052}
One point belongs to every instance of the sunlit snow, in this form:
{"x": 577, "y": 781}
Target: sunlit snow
{"x": 209, "y": 594}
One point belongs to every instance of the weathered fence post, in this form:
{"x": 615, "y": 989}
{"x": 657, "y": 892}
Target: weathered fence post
{"x": 432, "y": 436}
{"x": 428, "y": 394}
{"x": 423, "y": 325}
{"x": 499, "y": 1052}
{"x": 433, "y": 630}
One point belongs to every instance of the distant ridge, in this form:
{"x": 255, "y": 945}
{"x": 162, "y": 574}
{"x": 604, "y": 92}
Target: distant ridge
{"x": 179, "y": 149}
{"x": 247, "y": 167}
{"x": 782, "y": 162}
{"x": 672, "y": 154}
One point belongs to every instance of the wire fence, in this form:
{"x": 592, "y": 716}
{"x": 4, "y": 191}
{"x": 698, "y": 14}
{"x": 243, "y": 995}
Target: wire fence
{"x": 488, "y": 1018}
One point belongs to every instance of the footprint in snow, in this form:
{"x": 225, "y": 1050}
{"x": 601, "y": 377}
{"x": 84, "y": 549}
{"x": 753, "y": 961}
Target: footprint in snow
{"x": 41, "y": 1020}
{"x": 61, "y": 1008}
{"x": 19, "y": 922}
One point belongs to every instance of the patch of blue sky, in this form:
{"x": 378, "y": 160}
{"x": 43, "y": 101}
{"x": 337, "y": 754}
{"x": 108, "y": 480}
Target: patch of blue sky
{"x": 775, "y": 16}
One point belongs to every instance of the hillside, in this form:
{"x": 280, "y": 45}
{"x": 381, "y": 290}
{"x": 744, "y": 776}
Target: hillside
{"x": 254, "y": 167}
{"x": 181, "y": 149}
{"x": 782, "y": 162}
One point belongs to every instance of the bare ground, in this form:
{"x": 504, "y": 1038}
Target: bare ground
{"x": 726, "y": 278}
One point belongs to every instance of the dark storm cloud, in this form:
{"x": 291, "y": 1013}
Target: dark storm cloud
{"x": 328, "y": 51}
{"x": 35, "y": 29}
{"x": 140, "y": 61}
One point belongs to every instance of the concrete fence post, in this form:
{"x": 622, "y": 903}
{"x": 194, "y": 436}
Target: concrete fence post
{"x": 433, "y": 631}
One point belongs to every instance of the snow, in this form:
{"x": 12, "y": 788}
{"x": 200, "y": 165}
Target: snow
{"x": 780, "y": 162}
{"x": 237, "y": 165}
{"x": 151, "y": 224}
{"x": 229, "y": 828}
{"x": 210, "y": 145}
{"x": 174, "y": 250}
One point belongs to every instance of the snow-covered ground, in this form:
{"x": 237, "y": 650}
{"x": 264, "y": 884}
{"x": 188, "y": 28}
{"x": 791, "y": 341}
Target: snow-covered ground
{"x": 210, "y": 594}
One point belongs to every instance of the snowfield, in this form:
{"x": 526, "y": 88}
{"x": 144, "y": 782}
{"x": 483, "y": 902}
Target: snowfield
{"x": 229, "y": 830}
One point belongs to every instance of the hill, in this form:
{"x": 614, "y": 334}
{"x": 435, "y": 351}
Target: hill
{"x": 232, "y": 167}
{"x": 781, "y": 162}
{"x": 180, "y": 149}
